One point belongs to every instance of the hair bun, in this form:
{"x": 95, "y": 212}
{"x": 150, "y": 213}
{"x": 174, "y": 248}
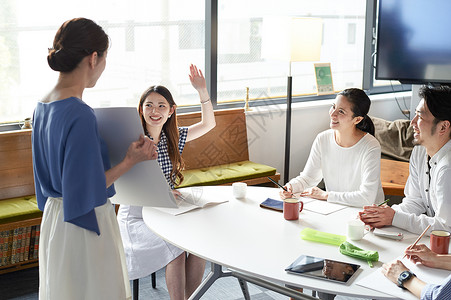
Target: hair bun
{"x": 59, "y": 60}
{"x": 52, "y": 59}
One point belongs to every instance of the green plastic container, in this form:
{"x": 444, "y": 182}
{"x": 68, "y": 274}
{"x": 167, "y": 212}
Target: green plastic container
{"x": 310, "y": 234}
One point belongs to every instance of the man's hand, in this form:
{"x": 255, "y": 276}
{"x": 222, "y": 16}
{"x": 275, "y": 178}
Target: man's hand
{"x": 422, "y": 254}
{"x": 377, "y": 216}
{"x": 393, "y": 269}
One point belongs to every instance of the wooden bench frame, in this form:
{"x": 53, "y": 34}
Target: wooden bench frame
{"x": 224, "y": 144}
{"x": 394, "y": 176}
{"x": 16, "y": 180}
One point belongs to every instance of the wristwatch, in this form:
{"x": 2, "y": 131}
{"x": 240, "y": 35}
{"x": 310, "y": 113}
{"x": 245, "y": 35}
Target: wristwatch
{"x": 403, "y": 277}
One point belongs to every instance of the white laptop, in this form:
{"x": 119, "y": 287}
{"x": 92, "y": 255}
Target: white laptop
{"x": 144, "y": 184}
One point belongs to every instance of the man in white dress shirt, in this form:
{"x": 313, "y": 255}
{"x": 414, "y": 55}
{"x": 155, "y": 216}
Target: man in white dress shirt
{"x": 428, "y": 188}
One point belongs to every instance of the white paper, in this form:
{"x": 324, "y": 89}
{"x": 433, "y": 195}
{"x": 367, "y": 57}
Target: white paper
{"x": 377, "y": 281}
{"x": 305, "y": 199}
{"x": 323, "y": 207}
{"x": 144, "y": 184}
{"x": 192, "y": 198}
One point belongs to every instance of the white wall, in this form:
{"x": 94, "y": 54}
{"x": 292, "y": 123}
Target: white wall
{"x": 415, "y": 99}
{"x": 266, "y": 128}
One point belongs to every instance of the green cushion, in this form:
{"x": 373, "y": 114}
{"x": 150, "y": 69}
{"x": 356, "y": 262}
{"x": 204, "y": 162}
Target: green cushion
{"x": 18, "y": 209}
{"x": 226, "y": 173}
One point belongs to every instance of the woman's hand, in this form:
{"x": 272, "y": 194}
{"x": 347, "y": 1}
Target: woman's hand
{"x": 284, "y": 194}
{"x": 176, "y": 193}
{"x": 315, "y": 193}
{"x": 197, "y": 79}
{"x": 207, "y": 122}
{"x": 138, "y": 151}
{"x": 141, "y": 150}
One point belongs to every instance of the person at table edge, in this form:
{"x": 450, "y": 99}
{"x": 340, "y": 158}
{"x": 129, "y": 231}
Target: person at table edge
{"x": 397, "y": 272}
{"x": 428, "y": 188}
{"x": 347, "y": 156}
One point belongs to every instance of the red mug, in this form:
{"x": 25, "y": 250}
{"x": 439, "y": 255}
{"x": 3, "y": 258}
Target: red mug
{"x": 440, "y": 241}
{"x": 291, "y": 208}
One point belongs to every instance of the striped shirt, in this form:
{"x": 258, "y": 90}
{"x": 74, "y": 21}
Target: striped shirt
{"x": 436, "y": 291}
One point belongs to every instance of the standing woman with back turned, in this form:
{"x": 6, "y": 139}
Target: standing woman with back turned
{"x": 80, "y": 249}
{"x": 347, "y": 156}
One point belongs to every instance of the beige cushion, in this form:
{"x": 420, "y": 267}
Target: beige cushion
{"x": 395, "y": 137}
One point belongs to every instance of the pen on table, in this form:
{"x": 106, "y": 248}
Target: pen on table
{"x": 275, "y": 182}
{"x": 418, "y": 239}
{"x": 384, "y": 202}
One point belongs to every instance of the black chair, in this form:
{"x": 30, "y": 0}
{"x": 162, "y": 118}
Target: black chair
{"x": 136, "y": 285}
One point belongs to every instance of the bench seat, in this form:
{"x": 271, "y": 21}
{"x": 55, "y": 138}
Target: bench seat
{"x": 19, "y": 209}
{"x": 226, "y": 173}
{"x": 221, "y": 156}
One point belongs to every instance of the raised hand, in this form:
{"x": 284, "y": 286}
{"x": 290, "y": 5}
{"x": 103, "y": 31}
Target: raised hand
{"x": 197, "y": 78}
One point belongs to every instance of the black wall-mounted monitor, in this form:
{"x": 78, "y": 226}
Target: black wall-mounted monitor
{"x": 414, "y": 41}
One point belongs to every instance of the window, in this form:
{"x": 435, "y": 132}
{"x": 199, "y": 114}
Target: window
{"x": 152, "y": 42}
{"x": 240, "y": 36}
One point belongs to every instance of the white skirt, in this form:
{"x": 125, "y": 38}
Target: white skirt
{"x": 75, "y": 263}
{"x": 145, "y": 252}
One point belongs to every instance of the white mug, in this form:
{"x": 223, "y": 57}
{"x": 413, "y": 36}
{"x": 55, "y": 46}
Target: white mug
{"x": 239, "y": 189}
{"x": 356, "y": 229}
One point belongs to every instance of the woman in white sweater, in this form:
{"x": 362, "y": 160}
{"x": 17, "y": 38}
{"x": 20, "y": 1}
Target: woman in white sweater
{"x": 347, "y": 156}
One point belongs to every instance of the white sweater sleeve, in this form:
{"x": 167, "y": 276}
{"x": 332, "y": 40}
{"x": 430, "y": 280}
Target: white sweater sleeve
{"x": 312, "y": 173}
{"x": 367, "y": 191}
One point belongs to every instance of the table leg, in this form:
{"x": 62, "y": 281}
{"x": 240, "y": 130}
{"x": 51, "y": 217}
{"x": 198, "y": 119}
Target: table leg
{"x": 244, "y": 289}
{"x": 216, "y": 273}
{"x": 272, "y": 286}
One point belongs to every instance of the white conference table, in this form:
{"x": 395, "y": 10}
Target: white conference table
{"x": 257, "y": 244}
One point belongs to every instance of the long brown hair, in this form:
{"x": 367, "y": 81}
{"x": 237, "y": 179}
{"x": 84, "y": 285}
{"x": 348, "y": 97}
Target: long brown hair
{"x": 170, "y": 129}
